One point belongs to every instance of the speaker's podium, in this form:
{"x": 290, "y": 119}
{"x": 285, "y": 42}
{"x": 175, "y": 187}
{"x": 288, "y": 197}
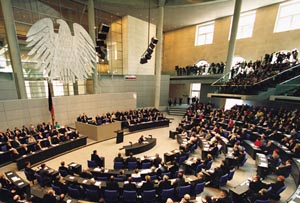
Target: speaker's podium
{"x": 120, "y": 136}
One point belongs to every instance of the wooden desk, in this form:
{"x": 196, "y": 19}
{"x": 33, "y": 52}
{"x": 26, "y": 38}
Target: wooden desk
{"x": 98, "y": 132}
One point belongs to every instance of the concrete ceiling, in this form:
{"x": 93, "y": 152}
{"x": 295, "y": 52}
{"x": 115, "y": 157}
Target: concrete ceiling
{"x": 178, "y": 13}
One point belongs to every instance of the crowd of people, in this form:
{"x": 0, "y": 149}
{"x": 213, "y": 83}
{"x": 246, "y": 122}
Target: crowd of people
{"x": 202, "y": 122}
{"x": 34, "y": 138}
{"x": 128, "y": 117}
{"x": 245, "y": 76}
{"x": 206, "y": 69}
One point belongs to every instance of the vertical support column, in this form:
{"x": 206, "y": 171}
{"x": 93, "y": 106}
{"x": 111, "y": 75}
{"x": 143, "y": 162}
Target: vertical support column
{"x": 234, "y": 29}
{"x": 91, "y": 18}
{"x": 158, "y": 61}
{"x": 14, "y": 50}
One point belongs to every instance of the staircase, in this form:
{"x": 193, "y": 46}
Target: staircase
{"x": 178, "y": 110}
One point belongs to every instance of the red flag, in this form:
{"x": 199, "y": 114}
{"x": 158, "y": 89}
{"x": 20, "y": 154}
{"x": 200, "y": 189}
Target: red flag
{"x": 50, "y": 103}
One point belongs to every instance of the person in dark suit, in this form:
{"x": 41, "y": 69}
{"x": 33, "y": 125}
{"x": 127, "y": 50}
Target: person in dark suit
{"x": 164, "y": 184}
{"x": 261, "y": 195}
{"x": 49, "y": 197}
{"x": 255, "y": 185}
{"x": 223, "y": 198}
{"x": 29, "y": 172}
{"x": 131, "y": 158}
{"x": 119, "y": 158}
{"x": 157, "y": 160}
{"x": 141, "y": 139}
{"x": 63, "y": 167}
{"x": 179, "y": 181}
{"x": 121, "y": 175}
{"x": 129, "y": 185}
{"x": 148, "y": 185}
{"x": 162, "y": 169}
{"x": 44, "y": 173}
{"x": 285, "y": 169}
{"x": 277, "y": 185}
{"x": 58, "y": 183}
{"x": 4, "y": 182}
{"x": 111, "y": 184}
{"x": 95, "y": 157}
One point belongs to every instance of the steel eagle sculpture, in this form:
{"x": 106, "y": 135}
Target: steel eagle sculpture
{"x": 63, "y": 56}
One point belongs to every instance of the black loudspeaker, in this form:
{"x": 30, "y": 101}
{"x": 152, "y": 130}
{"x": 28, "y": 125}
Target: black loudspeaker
{"x": 154, "y": 40}
{"x": 100, "y": 43}
{"x": 101, "y": 36}
{"x": 104, "y": 28}
{"x": 148, "y": 53}
{"x": 143, "y": 60}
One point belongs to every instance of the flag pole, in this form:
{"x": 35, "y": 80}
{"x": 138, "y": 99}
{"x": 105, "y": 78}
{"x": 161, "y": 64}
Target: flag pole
{"x": 50, "y": 104}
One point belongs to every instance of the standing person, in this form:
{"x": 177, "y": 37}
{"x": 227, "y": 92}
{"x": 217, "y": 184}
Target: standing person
{"x": 29, "y": 172}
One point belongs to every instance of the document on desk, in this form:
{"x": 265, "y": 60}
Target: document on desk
{"x": 73, "y": 164}
{"x": 15, "y": 178}
{"x": 98, "y": 183}
{"x": 263, "y": 164}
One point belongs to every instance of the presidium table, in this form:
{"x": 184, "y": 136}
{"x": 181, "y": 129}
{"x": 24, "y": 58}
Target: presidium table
{"x": 98, "y": 132}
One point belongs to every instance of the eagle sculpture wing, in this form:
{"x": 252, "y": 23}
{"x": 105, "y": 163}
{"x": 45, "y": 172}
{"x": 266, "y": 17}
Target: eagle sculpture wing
{"x": 85, "y": 52}
{"x": 63, "y": 56}
{"x": 41, "y": 37}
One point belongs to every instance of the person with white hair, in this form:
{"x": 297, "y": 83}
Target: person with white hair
{"x": 169, "y": 200}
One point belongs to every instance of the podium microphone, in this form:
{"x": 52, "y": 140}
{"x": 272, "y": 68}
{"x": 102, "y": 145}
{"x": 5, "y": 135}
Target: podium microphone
{"x": 130, "y": 144}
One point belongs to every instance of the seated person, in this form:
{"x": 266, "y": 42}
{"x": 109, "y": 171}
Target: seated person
{"x": 161, "y": 169}
{"x": 136, "y": 174}
{"x": 45, "y": 174}
{"x": 285, "y": 169}
{"x": 59, "y": 183}
{"x": 141, "y": 139}
{"x": 277, "y": 185}
{"x": 179, "y": 181}
{"x": 274, "y": 160}
{"x": 111, "y": 184}
{"x": 218, "y": 172}
{"x": 208, "y": 159}
{"x": 29, "y": 172}
{"x": 129, "y": 185}
{"x": 131, "y": 158}
{"x": 223, "y": 198}
{"x": 119, "y": 158}
{"x": 23, "y": 150}
{"x": 95, "y": 157}
{"x": 4, "y": 182}
{"x": 255, "y": 185}
{"x": 186, "y": 199}
{"x": 121, "y": 175}
{"x": 148, "y": 185}
{"x": 261, "y": 195}
{"x": 62, "y": 167}
{"x": 165, "y": 183}
{"x": 157, "y": 160}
